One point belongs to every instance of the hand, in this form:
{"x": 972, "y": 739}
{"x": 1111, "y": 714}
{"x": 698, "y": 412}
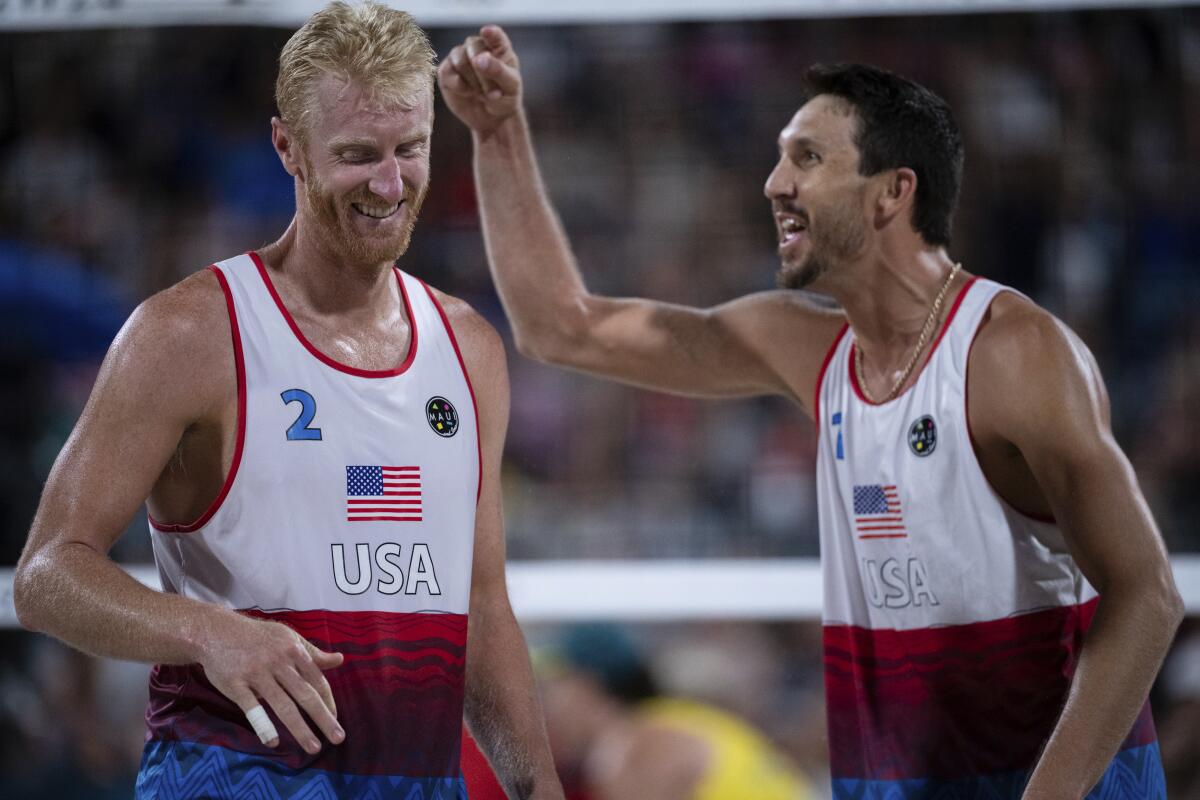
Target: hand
{"x": 252, "y": 658}
{"x": 481, "y": 80}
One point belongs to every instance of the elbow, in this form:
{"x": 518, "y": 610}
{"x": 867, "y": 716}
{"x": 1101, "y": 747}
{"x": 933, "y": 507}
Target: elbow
{"x": 529, "y": 345}
{"x": 1150, "y": 597}
{"x": 1167, "y": 596}
{"x": 558, "y": 341}
{"x": 1176, "y": 609}
{"x": 1163, "y": 602}
{"x": 25, "y": 595}
{"x": 545, "y": 346}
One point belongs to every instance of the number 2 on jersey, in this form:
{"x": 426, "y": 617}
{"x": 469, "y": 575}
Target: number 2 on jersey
{"x": 300, "y": 432}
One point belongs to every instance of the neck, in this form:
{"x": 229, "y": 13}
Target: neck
{"x": 324, "y": 280}
{"x": 888, "y": 300}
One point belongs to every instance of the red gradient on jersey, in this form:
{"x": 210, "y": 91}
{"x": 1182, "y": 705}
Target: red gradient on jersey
{"x": 239, "y": 366}
{"x": 955, "y": 701}
{"x": 400, "y": 369}
{"x": 399, "y": 696}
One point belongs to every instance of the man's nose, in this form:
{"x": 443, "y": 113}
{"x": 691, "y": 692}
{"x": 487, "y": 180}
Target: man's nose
{"x": 387, "y": 182}
{"x": 778, "y": 184}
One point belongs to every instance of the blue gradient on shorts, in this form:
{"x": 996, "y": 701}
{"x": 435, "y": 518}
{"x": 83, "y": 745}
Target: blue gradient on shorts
{"x": 190, "y": 771}
{"x": 1134, "y": 774}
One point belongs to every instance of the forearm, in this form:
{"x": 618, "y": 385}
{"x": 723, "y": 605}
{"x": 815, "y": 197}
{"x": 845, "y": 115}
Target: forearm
{"x": 530, "y": 257}
{"x": 1121, "y": 655}
{"x": 502, "y": 707}
{"x": 80, "y": 596}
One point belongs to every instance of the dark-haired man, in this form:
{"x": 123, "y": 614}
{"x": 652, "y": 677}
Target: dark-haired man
{"x": 974, "y": 506}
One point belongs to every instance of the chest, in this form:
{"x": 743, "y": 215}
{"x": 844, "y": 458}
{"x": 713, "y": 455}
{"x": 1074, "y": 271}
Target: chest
{"x": 371, "y": 344}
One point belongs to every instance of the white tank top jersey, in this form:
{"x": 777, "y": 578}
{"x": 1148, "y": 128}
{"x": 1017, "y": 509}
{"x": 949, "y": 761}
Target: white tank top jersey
{"x": 952, "y": 621}
{"x": 349, "y": 514}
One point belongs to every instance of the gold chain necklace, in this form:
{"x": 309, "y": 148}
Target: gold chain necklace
{"x": 912, "y": 362}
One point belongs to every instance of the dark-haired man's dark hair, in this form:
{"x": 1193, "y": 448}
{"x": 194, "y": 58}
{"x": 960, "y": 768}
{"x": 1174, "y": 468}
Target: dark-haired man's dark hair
{"x": 901, "y": 124}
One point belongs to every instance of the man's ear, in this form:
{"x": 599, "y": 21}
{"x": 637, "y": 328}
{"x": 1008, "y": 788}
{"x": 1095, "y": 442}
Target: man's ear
{"x": 897, "y": 195}
{"x": 287, "y": 147}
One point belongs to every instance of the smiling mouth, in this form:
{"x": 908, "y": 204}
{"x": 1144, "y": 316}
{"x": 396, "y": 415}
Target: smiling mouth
{"x": 376, "y": 212}
{"x": 790, "y": 229}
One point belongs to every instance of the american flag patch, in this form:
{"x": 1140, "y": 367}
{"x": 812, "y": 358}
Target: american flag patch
{"x": 877, "y": 512}
{"x": 383, "y": 493}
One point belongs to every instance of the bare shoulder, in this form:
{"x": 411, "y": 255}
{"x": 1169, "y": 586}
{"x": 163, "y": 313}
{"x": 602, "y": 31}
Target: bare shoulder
{"x": 479, "y": 344}
{"x": 183, "y": 310}
{"x": 472, "y": 331}
{"x": 785, "y": 306}
{"x": 790, "y": 332}
{"x": 1029, "y": 370}
{"x": 178, "y": 340}
{"x": 1020, "y": 340}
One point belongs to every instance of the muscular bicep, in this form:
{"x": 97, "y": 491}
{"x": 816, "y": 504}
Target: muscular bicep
{"x": 151, "y": 387}
{"x": 766, "y": 343}
{"x": 1044, "y": 394}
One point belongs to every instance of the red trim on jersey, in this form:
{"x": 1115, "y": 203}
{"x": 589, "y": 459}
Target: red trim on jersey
{"x": 821, "y": 376}
{"x": 324, "y": 359}
{"x": 240, "y": 368}
{"x": 950, "y": 316}
{"x": 470, "y": 388}
{"x": 962, "y": 293}
{"x": 953, "y": 701}
{"x": 1047, "y": 519}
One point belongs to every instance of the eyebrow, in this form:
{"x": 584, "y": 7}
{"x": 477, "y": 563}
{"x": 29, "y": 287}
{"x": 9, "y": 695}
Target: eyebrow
{"x": 797, "y": 143}
{"x": 344, "y": 143}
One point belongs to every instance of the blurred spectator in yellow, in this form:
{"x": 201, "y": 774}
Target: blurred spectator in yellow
{"x": 615, "y": 737}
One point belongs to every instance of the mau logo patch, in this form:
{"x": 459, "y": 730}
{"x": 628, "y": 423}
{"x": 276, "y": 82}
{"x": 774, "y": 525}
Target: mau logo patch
{"x": 922, "y": 436}
{"x": 442, "y": 416}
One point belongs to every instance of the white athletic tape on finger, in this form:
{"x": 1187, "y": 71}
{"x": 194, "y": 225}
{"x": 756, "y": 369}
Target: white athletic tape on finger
{"x": 262, "y": 724}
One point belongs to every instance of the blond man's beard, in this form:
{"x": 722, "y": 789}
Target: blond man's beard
{"x": 336, "y": 229}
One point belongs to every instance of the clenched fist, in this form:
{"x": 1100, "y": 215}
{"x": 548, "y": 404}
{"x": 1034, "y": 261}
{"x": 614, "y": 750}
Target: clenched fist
{"x": 481, "y": 80}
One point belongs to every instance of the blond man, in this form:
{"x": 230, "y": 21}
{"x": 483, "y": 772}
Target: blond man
{"x": 317, "y": 437}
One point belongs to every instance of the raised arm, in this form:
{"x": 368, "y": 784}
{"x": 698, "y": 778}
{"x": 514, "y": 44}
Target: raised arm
{"x": 733, "y": 349}
{"x": 169, "y": 372}
{"x": 1034, "y": 386}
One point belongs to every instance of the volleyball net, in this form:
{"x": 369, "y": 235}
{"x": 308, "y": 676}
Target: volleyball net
{"x": 661, "y": 590}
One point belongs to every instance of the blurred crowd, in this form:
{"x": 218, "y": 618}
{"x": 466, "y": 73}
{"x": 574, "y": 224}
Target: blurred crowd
{"x": 130, "y": 158}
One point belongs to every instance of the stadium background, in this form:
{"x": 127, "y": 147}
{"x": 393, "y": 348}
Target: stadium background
{"x": 132, "y": 157}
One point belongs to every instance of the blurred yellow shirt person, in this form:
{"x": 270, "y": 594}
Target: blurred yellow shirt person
{"x": 743, "y": 765}
{"x": 614, "y": 737}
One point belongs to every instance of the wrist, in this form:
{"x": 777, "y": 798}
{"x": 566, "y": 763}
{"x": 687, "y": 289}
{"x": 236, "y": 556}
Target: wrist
{"x": 208, "y": 632}
{"x": 506, "y": 136}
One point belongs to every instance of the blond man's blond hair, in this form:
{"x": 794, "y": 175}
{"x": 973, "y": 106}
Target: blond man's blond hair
{"x": 380, "y": 48}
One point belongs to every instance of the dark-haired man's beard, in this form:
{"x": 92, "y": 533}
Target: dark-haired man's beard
{"x": 835, "y": 236}
{"x": 332, "y": 217}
